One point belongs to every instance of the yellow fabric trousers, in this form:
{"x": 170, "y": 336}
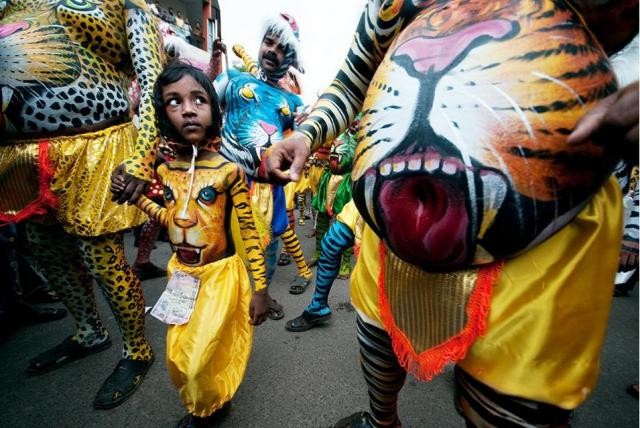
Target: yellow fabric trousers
{"x": 549, "y": 309}
{"x": 315, "y": 174}
{"x": 207, "y": 356}
{"x": 292, "y": 188}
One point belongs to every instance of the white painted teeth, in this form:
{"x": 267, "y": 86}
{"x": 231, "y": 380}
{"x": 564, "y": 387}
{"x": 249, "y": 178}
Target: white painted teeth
{"x": 449, "y": 167}
{"x": 385, "y": 169}
{"x": 414, "y": 163}
{"x": 494, "y": 192}
{"x": 197, "y": 250}
{"x": 399, "y": 166}
{"x": 369, "y": 183}
{"x": 7, "y": 93}
{"x": 431, "y": 164}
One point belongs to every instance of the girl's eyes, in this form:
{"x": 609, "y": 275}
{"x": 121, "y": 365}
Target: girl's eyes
{"x": 198, "y": 100}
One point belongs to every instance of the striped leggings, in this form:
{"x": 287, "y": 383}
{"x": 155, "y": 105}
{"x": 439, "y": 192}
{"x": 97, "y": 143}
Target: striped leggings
{"x": 477, "y": 403}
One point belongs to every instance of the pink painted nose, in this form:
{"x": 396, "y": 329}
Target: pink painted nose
{"x": 268, "y": 128}
{"x": 8, "y": 29}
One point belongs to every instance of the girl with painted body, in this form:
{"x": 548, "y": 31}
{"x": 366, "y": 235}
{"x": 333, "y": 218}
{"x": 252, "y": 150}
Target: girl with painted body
{"x": 204, "y": 196}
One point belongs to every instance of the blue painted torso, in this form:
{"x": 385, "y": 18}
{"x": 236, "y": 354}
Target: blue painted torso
{"x": 256, "y": 115}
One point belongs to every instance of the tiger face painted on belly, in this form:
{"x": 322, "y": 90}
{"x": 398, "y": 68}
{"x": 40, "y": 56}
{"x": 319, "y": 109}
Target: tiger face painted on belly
{"x": 462, "y": 155}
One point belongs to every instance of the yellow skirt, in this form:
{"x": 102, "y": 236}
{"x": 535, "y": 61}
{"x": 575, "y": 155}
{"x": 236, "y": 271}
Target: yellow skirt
{"x": 207, "y": 356}
{"x": 290, "y": 195}
{"x": 548, "y": 311}
{"x": 81, "y": 167}
{"x": 315, "y": 174}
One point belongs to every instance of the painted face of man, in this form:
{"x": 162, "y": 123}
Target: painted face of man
{"x": 272, "y": 53}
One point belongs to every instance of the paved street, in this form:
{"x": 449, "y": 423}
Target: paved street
{"x": 306, "y": 379}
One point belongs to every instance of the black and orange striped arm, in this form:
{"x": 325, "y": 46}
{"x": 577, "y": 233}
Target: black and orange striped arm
{"x": 242, "y": 204}
{"x": 379, "y": 24}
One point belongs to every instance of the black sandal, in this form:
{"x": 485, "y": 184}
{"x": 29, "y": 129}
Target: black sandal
{"x": 299, "y": 284}
{"x": 356, "y": 420}
{"x": 32, "y": 314}
{"x": 306, "y": 321}
{"x": 284, "y": 259}
{"x": 275, "y": 310}
{"x": 121, "y": 383}
{"x": 192, "y": 421}
{"x": 69, "y": 350}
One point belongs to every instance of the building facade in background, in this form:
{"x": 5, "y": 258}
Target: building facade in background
{"x": 195, "y": 21}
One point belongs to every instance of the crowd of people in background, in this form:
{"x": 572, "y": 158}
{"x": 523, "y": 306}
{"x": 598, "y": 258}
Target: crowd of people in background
{"x": 180, "y": 23}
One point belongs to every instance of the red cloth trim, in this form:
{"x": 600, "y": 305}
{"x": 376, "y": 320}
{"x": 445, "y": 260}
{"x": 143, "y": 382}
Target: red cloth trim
{"x": 46, "y": 198}
{"x": 431, "y": 362}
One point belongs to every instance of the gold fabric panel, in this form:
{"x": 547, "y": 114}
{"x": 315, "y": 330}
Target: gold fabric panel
{"x": 82, "y": 177}
{"x": 428, "y": 307}
{"x": 18, "y": 177}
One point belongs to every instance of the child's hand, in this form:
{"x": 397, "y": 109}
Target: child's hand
{"x": 258, "y": 307}
{"x": 126, "y": 187}
{"x": 117, "y": 182}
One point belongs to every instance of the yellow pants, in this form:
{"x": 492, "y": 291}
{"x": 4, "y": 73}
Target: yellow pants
{"x": 208, "y": 355}
{"x": 548, "y": 311}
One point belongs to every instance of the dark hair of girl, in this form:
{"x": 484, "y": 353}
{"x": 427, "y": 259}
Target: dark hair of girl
{"x": 173, "y": 72}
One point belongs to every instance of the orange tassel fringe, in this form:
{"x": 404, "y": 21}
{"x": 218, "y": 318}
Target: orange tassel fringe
{"x": 46, "y": 198}
{"x": 429, "y": 363}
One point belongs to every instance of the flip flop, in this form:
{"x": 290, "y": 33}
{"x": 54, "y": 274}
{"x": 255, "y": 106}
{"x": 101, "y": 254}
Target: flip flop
{"x": 121, "y": 383}
{"x": 284, "y": 259}
{"x": 359, "y": 419}
{"x": 191, "y": 421}
{"x": 69, "y": 350}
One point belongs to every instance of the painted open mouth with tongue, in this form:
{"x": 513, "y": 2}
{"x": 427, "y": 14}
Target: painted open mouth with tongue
{"x": 188, "y": 254}
{"x": 431, "y": 209}
{"x": 422, "y": 208}
{"x": 425, "y": 220}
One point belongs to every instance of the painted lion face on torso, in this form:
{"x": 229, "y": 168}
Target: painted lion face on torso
{"x": 462, "y": 155}
{"x": 197, "y": 220}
